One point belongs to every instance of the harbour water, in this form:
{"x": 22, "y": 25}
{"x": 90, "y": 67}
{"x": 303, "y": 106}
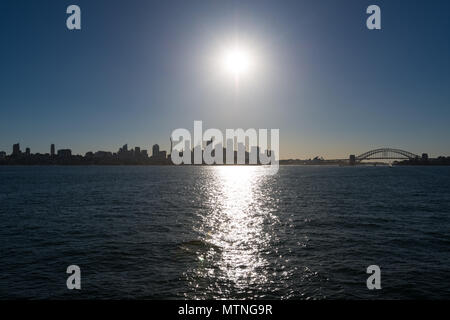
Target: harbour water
{"x": 151, "y": 232}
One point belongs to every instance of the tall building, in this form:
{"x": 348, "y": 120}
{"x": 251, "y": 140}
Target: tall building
{"x": 155, "y": 151}
{"x": 27, "y": 152}
{"x": 16, "y": 150}
{"x": 52, "y": 150}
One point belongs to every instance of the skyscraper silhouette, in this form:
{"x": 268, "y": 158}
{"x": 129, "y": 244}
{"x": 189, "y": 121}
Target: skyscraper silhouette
{"x": 16, "y": 150}
{"x": 155, "y": 151}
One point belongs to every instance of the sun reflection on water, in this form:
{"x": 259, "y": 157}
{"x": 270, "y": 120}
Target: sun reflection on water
{"x": 236, "y": 231}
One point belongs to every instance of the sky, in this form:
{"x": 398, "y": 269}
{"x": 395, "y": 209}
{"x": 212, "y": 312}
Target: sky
{"x": 137, "y": 70}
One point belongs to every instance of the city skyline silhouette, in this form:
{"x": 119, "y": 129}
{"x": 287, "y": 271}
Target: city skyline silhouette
{"x": 138, "y": 156}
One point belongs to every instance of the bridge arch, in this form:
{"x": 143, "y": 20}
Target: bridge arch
{"x": 385, "y": 154}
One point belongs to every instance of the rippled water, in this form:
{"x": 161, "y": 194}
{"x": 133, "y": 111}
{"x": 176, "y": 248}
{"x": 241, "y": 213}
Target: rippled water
{"x": 225, "y": 232}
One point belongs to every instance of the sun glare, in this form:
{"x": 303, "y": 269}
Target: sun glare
{"x": 237, "y": 61}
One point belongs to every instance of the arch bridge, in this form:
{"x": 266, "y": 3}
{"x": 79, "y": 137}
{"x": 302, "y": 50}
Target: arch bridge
{"x": 386, "y": 154}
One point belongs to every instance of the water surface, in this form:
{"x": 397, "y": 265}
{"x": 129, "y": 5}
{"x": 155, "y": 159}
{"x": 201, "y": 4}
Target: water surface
{"x": 224, "y": 232}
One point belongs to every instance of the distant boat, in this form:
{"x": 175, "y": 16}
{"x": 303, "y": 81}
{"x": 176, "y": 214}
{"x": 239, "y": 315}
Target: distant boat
{"x": 390, "y": 165}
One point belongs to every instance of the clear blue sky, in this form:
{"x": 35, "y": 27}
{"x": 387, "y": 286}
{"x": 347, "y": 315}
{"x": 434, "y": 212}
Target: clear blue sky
{"x": 139, "y": 69}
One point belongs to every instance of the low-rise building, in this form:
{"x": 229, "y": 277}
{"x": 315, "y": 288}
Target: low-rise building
{"x": 64, "y": 153}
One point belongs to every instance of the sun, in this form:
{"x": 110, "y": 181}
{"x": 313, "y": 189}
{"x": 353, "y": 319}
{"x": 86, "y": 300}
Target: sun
{"x": 237, "y": 61}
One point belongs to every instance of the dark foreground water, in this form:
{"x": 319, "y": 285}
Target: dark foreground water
{"x": 224, "y": 232}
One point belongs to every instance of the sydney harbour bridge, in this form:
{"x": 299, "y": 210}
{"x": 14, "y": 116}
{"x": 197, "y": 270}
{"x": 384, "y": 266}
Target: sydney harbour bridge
{"x": 384, "y": 154}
